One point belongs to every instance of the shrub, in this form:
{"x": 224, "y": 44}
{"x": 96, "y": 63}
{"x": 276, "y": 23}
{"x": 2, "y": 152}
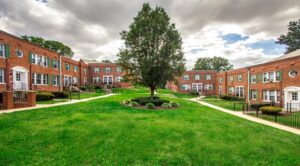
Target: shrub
{"x": 44, "y": 96}
{"x": 133, "y": 104}
{"x": 228, "y": 97}
{"x": 174, "y": 104}
{"x": 258, "y": 105}
{"x": 150, "y": 106}
{"x": 61, "y": 95}
{"x": 270, "y": 109}
{"x": 165, "y": 105}
{"x": 84, "y": 88}
{"x": 194, "y": 93}
{"x": 156, "y": 101}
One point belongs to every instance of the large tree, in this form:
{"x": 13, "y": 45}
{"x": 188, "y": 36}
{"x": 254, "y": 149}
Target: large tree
{"x": 214, "y": 63}
{"x": 55, "y": 46}
{"x": 152, "y": 52}
{"x": 292, "y": 38}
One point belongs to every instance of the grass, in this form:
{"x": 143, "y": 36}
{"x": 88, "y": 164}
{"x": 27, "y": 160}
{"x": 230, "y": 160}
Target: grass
{"x": 104, "y": 132}
{"x": 52, "y": 101}
{"x": 75, "y": 95}
{"x": 228, "y": 104}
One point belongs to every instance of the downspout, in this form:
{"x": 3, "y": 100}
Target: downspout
{"x": 248, "y": 96}
{"x": 60, "y": 76}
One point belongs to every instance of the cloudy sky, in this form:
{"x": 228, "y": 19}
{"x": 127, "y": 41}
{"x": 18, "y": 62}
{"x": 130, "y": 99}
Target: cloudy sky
{"x": 244, "y": 31}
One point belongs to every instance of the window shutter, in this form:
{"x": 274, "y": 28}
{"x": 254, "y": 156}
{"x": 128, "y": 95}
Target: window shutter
{"x": 7, "y": 51}
{"x": 49, "y": 77}
{"x": 242, "y": 77}
{"x": 280, "y": 75}
{"x": 53, "y": 60}
{"x": 58, "y": 63}
{"x": 30, "y": 57}
{"x": 257, "y": 93}
{"x": 257, "y": 77}
{"x": 48, "y": 61}
{"x": 261, "y": 77}
{"x": 250, "y": 93}
{"x": 58, "y": 80}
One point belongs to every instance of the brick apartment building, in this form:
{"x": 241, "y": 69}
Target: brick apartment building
{"x": 274, "y": 81}
{"x": 27, "y": 67}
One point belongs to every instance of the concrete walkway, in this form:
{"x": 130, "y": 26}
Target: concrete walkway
{"x": 53, "y": 105}
{"x": 251, "y": 118}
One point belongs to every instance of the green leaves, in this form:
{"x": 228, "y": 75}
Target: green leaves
{"x": 292, "y": 38}
{"x": 215, "y": 63}
{"x": 152, "y": 52}
{"x": 55, "y": 46}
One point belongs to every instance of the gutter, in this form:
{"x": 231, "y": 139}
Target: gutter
{"x": 248, "y": 96}
{"x": 60, "y": 76}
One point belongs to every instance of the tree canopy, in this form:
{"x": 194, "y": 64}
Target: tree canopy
{"x": 152, "y": 52}
{"x": 292, "y": 38}
{"x": 214, "y": 63}
{"x": 55, "y": 46}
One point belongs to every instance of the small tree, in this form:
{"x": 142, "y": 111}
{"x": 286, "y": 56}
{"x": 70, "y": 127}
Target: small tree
{"x": 215, "y": 63}
{"x": 292, "y": 38}
{"x": 152, "y": 54}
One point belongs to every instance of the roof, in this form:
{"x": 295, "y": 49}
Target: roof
{"x": 286, "y": 56}
{"x": 88, "y": 61}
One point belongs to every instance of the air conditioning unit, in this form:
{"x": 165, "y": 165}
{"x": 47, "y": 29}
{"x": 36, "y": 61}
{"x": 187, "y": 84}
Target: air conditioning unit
{"x": 41, "y": 63}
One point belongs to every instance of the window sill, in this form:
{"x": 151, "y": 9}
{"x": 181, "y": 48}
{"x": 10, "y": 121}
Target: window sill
{"x": 2, "y": 83}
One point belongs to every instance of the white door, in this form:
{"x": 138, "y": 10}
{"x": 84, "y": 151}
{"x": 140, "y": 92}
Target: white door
{"x": 107, "y": 80}
{"x": 20, "y": 78}
{"x": 197, "y": 87}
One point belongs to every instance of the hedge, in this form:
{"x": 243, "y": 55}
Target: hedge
{"x": 150, "y": 106}
{"x": 270, "y": 109}
{"x": 61, "y": 95}
{"x": 155, "y": 100}
{"x": 133, "y": 104}
{"x": 229, "y": 97}
{"x": 44, "y": 96}
{"x": 258, "y": 105}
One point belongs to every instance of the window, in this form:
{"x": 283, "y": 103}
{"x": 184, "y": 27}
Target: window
{"x": 33, "y": 59}
{"x": 118, "y": 79}
{"x": 54, "y": 64}
{"x": 2, "y": 76}
{"x": 84, "y": 70}
{"x": 186, "y": 77}
{"x": 208, "y": 77}
{"x": 107, "y": 70}
{"x": 85, "y": 81}
{"x": 253, "y": 94}
{"x": 197, "y": 77}
{"x": 19, "y": 53}
{"x": 230, "y": 78}
{"x": 278, "y": 76}
{"x": 253, "y": 78}
{"x": 18, "y": 77}
{"x": 45, "y": 79}
{"x": 45, "y": 61}
{"x": 270, "y": 95}
{"x": 119, "y": 69}
{"x": 39, "y": 60}
{"x": 33, "y": 79}
{"x": 240, "y": 77}
{"x": 220, "y": 80}
{"x": 239, "y": 91}
{"x": 75, "y": 68}
{"x": 220, "y": 90}
{"x": 38, "y": 79}
{"x": 208, "y": 87}
{"x": 96, "y": 80}
{"x": 96, "y": 70}
{"x": 266, "y": 77}
{"x": 67, "y": 66}
{"x": 293, "y": 73}
{"x": 271, "y": 76}
{"x": 2, "y": 50}
{"x": 231, "y": 90}
{"x": 55, "y": 80}
{"x": 185, "y": 86}
{"x": 295, "y": 96}
{"x": 75, "y": 80}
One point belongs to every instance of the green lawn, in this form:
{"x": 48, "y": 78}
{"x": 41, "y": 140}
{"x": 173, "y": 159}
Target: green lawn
{"x": 75, "y": 96}
{"x": 52, "y": 101}
{"x": 231, "y": 105}
{"x": 104, "y": 132}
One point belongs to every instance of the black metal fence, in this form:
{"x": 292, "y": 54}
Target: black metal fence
{"x": 74, "y": 95}
{"x": 19, "y": 96}
{"x": 288, "y": 118}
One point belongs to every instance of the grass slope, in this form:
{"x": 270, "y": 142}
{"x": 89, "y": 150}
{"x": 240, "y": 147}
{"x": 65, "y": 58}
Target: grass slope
{"x": 104, "y": 132}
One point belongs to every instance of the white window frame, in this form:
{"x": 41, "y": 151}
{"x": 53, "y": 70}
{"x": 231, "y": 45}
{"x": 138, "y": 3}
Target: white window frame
{"x": 208, "y": 76}
{"x": 185, "y": 86}
{"x": 2, "y": 50}
{"x": 107, "y": 69}
{"x": 220, "y": 80}
{"x": 84, "y": 70}
{"x": 267, "y": 95}
{"x": 208, "y": 87}
{"x": 240, "y": 77}
{"x": 67, "y": 66}
{"x": 295, "y": 96}
{"x": 231, "y": 90}
{"x": 119, "y": 69}
{"x": 55, "y": 62}
{"x": 186, "y": 77}
{"x": 231, "y": 78}
{"x": 55, "y": 80}
{"x": 75, "y": 68}
{"x": 239, "y": 91}
{"x": 2, "y": 76}
{"x": 197, "y": 77}
{"x": 118, "y": 79}
{"x": 253, "y": 80}
{"x": 96, "y": 69}
{"x": 96, "y": 80}
{"x": 254, "y": 95}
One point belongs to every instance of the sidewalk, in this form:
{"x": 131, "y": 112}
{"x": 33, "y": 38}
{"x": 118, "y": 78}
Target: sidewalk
{"x": 53, "y": 105}
{"x": 251, "y": 118}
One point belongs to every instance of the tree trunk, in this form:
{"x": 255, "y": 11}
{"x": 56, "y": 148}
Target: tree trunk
{"x": 152, "y": 88}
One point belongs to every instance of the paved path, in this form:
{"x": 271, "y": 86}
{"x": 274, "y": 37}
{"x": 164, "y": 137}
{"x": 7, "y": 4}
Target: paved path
{"x": 251, "y": 118}
{"x": 53, "y": 105}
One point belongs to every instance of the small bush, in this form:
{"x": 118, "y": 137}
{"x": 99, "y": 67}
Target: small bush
{"x": 44, "y": 96}
{"x": 258, "y": 105}
{"x": 84, "y": 88}
{"x": 155, "y": 100}
{"x": 133, "y": 104}
{"x": 150, "y": 106}
{"x": 61, "y": 95}
{"x": 165, "y": 105}
{"x": 174, "y": 104}
{"x": 194, "y": 93}
{"x": 228, "y": 97}
{"x": 270, "y": 110}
